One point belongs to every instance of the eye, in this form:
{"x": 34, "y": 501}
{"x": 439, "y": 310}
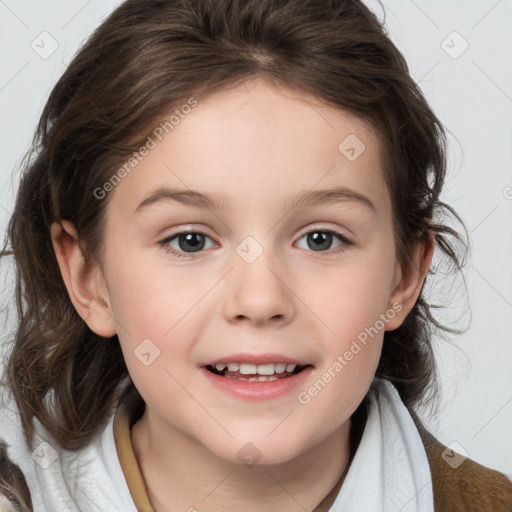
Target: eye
{"x": 320, "y": 240}
{"x": 184, "y": 243}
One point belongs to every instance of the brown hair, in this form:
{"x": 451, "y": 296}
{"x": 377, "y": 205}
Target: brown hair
{"x": 12, "y": 482}
{"x": 139, "y": 64}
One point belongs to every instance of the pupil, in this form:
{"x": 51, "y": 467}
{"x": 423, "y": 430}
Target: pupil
{"x": 321, "y": 240}
{"x": 194, "y": 240}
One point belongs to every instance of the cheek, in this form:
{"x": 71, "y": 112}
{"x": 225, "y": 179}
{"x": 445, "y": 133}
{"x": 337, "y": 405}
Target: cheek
{"x": 157, "y": 330}
{"x": 160, "y": 312}
{"x": 352, "y": 306}
{"x": 152, "y": 298}
{"x": 351, "y": 346}
{"x": 351, "y": 298}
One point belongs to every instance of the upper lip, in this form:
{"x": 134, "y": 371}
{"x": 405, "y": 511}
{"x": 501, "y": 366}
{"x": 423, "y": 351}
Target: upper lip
{"x": 256, "y": 359}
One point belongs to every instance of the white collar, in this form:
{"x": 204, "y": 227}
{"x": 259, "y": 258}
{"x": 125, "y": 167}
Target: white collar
{"x": 87, "y": 480}
{"x": 390, "y": 470}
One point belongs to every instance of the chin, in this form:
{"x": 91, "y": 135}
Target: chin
{"x": 259, "y": 452}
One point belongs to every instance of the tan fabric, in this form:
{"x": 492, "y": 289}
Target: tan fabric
{"x": 469, "y": 488}
{"x": 128, "y": 461}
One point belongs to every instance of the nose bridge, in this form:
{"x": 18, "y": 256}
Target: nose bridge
{"x": 257, "y": 289}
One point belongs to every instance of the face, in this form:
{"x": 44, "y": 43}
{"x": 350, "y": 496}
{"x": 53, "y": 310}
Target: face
{"x": 292, "y": 258}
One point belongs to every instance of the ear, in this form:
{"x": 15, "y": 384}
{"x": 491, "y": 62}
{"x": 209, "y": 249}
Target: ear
{"x": 408, "y": 282}
{"x": 85, "y": 283}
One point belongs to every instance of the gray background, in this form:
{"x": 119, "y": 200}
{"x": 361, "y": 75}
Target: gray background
{"x": 470, "y": 91}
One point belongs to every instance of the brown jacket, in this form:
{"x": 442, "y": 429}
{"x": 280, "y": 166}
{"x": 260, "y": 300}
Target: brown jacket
{"x": 461, "y": 487}
{"x": 469, "y": 487}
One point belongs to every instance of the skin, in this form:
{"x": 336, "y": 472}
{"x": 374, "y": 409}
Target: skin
{"x": 259, "y": 146}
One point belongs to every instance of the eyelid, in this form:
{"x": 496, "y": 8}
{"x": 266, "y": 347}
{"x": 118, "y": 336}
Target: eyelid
{"x": 185, "y": 231}
{"x": 335, "y": 230}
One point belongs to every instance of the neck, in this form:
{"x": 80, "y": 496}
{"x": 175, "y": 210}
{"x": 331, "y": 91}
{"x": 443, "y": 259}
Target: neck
{"x": 181, "y": 474}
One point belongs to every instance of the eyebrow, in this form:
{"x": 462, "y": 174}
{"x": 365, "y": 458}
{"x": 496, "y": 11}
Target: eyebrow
{"x": 220, "y": 202}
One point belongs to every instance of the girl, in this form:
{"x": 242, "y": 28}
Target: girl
{"x": 222, "y": 241}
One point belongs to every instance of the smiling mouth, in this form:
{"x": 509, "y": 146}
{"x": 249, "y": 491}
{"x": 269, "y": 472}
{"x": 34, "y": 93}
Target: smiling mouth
{"x": 261, "y": 374}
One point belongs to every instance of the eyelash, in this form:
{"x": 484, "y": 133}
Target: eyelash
{"x": 164, "y": 243}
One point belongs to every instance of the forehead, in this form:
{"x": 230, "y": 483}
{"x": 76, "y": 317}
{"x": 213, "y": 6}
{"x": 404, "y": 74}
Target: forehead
{"x": 257, "y": 144}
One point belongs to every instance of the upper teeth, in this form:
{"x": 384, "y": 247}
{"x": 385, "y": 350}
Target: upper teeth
{"x": 253, "y": 369}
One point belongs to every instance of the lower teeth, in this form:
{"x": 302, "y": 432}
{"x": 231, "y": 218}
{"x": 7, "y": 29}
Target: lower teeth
{"x": 261, "y": 378}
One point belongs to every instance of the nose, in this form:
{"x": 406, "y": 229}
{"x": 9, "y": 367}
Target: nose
{"x": 259, "y": 292}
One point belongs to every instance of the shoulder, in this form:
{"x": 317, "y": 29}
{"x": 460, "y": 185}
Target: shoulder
{"x": 468, "y": 487}
{"x": 85, "y": 480}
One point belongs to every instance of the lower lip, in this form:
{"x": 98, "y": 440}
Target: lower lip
{"x": 255, "y": 390}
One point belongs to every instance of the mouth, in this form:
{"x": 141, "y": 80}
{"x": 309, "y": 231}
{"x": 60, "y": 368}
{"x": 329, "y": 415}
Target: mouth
{"x": 257, "y": 377}
{"x": 256, "y": 373}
